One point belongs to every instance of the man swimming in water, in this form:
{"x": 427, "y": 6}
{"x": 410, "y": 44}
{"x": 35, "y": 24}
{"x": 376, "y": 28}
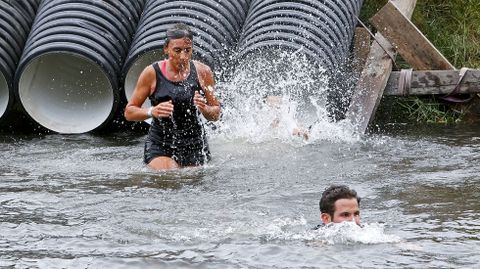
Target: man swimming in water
{"x": 339, "y": 203}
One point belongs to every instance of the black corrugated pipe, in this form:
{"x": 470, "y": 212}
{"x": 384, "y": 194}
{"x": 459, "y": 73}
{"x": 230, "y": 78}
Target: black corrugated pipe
{"x": 216, "y": 25}
{"x": 322, "y": 30}
{"x": 16, "y": 18}
{"x": 68, "y": 76}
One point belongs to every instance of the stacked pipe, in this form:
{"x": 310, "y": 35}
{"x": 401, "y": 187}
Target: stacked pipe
{"x": 16, "y": 18}
{"x": 322, "y": 30}
{"x": 216, "y": 25}
{"x": 68, "y": 75}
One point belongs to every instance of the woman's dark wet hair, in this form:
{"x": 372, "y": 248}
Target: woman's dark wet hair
{"x": 179, "y": 30}
{"x": 334, "y": 193}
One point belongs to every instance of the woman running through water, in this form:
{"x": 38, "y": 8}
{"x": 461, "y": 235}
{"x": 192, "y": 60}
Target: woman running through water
{"x": 179, "y": 90}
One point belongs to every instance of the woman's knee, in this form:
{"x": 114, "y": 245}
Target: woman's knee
{"x": 163, "y": 163}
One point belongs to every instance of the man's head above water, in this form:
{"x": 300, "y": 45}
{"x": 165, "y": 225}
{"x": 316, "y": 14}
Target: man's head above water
{"x": 339, "y": 203}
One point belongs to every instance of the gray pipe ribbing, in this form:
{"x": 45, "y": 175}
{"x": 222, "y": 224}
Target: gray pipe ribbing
{"x": 216, "y": 24}
{"x": 323, "y": 29}
{"x": 80, "y": 52}
{"x": 16, "y": 18}
{"x": 68, "y": 75}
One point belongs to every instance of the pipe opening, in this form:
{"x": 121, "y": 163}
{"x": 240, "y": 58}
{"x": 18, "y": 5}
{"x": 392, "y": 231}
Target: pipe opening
{"x": 136, "y": 69}
{"x": 4, "y": 95}
{"x": 66, "y": 93}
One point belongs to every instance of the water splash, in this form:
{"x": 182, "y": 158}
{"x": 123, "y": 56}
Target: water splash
{"x": 342, "y": 233}
{"x": 349, "y": 232}
{"x": 298, "y": 114}
{"x": 295, "y": 230}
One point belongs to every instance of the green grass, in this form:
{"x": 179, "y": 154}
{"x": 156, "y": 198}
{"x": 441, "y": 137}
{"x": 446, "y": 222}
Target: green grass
{"x": 428, "y": 110}
{"x": 369, "y": 8}
{"x": 453, "y": 27}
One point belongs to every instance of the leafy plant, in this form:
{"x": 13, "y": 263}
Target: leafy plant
{"x": 428, "y": 110}
{"x": 453, "y": 27}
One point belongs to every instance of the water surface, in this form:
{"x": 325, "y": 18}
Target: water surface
{"x": 87, "y": 201}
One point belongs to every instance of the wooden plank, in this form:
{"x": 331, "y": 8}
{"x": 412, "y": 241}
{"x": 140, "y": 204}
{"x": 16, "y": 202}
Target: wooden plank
{"x": 406, "y": 7}
{"x": 408, "y": 41}
{"x": 361, "y": 48}
{"x": 374, "y": 77}
{"x": 435, "y": 82}
{"x": 370, "y": 86}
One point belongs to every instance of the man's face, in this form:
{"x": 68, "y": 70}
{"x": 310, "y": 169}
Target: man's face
{"x": 345, "y": 210}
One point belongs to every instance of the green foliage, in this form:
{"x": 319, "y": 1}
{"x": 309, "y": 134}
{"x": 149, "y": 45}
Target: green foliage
{"x": 453, "y": 27}
{"x": 369, "y": 8}
{"x": 428, "y": 110}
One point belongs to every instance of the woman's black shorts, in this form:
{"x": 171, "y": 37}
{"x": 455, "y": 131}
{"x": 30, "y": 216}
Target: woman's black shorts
{"x": 183, "y": 153}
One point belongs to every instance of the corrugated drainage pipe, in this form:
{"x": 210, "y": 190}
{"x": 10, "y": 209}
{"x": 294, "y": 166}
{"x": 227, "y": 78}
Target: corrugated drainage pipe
{"x": 216, "y": 25}
{"x": 68, "y": 76}
{"x": 16, "y": 18}
{"x": 321, "y": 30}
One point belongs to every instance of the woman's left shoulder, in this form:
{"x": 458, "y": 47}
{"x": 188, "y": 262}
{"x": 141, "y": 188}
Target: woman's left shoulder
{"x": 202, "y": 68}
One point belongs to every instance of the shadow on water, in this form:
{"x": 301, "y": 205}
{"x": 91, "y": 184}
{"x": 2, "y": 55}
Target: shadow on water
{"x": 167, "y": 181}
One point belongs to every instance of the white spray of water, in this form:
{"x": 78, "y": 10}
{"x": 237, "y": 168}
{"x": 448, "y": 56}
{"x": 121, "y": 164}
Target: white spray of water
{"x": 349, "y": 232}
{"x": 338, "y": 233}
{"x": 299, "y": 114}
{"x": 299, "y": 230}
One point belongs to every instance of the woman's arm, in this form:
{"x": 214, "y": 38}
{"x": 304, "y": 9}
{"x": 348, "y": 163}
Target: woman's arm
{"x": 144, "y": 88}
{"x": 209, "y": 105}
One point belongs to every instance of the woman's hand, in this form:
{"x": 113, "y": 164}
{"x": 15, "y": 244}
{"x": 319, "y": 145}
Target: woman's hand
{"x": 200, "y": 101}
{"x": 163, "y": 110}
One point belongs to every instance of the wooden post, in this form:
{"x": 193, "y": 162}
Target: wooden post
{"x": 435, "y": 82}
{"x": 361, "y": 48}
{"x": 408, "y": 41}
{"x": 374, "y": 77}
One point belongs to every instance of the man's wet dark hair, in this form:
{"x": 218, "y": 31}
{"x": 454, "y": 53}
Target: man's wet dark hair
{"x": 177, "y": 31}
{"x": 334, "y": 193}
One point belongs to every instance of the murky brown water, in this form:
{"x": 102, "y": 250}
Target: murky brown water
{"x": 86, "y": 201}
